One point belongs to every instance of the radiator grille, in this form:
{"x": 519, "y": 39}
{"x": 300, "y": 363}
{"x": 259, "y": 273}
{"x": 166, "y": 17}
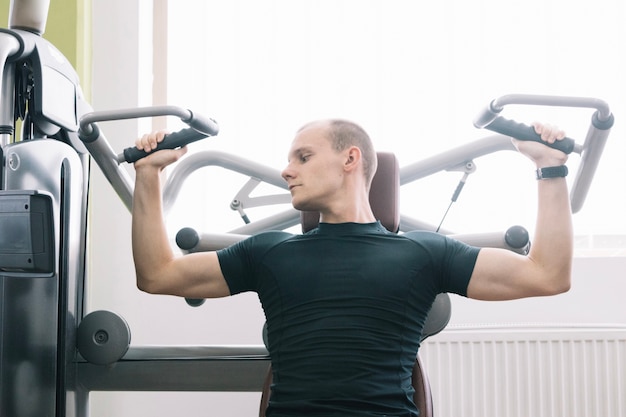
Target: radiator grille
{"x": 538, "y": 371}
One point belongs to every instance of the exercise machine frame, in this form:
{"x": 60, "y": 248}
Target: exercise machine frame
{"x": 52, "y": 353}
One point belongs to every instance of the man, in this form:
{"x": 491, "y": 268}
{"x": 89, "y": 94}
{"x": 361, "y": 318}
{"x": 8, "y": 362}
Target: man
{"x": 345, "y": 303}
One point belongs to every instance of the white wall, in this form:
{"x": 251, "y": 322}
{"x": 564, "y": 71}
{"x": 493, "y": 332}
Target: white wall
{"x": 599, "y": 283}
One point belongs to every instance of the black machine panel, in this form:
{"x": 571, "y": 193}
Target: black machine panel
{"x": 26, "y": 232}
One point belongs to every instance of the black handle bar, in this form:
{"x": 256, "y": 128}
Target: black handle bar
{"x": 522, "y": 131}
{"x": 170, "y": 141}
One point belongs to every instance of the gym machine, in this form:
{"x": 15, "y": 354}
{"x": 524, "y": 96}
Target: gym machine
{"x": 53, "y": 354}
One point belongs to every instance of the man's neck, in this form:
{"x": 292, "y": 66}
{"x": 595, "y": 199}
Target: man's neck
{"x": 354, "y": 214}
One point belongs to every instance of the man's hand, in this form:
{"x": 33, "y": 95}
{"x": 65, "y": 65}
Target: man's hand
{"x": 543, "y": 156}
{"x": 160, "y": 159}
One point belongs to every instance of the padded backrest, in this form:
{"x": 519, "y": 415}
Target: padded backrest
{"x": 438, "y": 317}
{"x": 384, "y": 196}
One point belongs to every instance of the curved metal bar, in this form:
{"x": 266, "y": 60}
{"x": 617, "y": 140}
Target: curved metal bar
{"x": 133, "y": 113}
{"x": 557, "y": 101}
{"x": 197, "y": 122}
{"x": 592, "y": 150}
{"x": 216, "y": 158}
{"x": 455, "y": 157}
{"x": 101, "y": 151}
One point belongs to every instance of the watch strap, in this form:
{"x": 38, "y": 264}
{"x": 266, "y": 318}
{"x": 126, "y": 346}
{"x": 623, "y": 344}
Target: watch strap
{"x": 552, "y": 172}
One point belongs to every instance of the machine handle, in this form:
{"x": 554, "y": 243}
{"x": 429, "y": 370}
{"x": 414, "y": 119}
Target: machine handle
{"x": 170, "y": 141}
{"x": 522, "y": 131}
{"x": 110, "y": 163}
{"x": 590, "y": 151}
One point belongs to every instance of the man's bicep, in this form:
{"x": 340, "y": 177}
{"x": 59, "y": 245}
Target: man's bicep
{"x": 500, "y": 274}
{"x": 199, "y": 275}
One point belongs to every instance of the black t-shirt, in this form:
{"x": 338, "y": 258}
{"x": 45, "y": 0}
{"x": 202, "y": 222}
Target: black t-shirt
{"x": 345, "y": 305}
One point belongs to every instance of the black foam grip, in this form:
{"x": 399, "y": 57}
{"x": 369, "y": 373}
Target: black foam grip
{"x": 522, "y": 131}
{"x": 171, "y": 141}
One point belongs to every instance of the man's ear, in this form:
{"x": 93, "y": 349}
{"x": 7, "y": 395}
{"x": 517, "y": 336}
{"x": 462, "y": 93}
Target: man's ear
{"x": 353, "y": 158}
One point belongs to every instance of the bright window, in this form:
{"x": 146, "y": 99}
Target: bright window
{"x": 414, "y": 75}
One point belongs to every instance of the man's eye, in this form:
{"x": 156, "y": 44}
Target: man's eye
{"x": 304, "y": 158}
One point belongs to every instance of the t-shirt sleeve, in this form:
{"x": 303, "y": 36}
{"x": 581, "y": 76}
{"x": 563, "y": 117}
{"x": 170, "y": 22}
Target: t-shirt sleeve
{"x": 240, "y": 262}
{"x": 460, "y": 259}
{"x": 453, "y": 261}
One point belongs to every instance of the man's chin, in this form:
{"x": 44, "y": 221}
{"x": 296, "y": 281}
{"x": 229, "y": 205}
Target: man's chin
{"x": 303, "y": 206}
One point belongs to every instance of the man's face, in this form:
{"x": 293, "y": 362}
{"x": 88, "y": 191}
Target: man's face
{"x": 314, "y": 172}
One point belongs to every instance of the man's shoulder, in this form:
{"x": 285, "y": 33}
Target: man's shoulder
{"x": 256, "y": 245}
{"x": 428, "y": 238}
{"x": 423, "y": 235}
{"x": 271, "y": 237}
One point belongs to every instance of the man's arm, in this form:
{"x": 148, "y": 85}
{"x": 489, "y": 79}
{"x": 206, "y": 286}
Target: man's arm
{"x": 158, "y": 270}
{"x": 546, "y": 270}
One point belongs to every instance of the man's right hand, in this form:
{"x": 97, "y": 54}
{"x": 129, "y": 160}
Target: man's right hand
{"x": 158, "y": 160}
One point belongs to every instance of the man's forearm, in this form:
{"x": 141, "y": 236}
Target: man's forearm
{"x": 552, "y": 246}
{"x": 151, "y": 249}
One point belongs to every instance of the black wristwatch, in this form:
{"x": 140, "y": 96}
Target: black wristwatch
{"x": 552, "y": 172}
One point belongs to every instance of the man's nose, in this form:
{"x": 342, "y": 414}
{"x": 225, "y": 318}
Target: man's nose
{"x": 287, "y": 173}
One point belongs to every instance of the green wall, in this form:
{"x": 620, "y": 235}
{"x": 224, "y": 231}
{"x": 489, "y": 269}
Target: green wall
{"x": 69, "y": 29}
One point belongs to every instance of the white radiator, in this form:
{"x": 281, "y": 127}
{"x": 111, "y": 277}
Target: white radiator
{"x": 530, "y": 370}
